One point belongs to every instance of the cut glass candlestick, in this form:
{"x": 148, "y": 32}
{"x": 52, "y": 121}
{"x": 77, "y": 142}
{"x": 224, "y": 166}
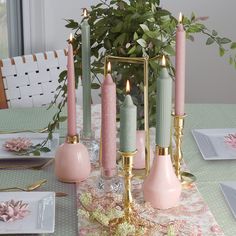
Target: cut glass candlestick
{"x": 110, "y": 181}
{"x": 92, "y": 145}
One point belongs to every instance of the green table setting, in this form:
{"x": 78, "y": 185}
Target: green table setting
{"x": 35, "y": 119}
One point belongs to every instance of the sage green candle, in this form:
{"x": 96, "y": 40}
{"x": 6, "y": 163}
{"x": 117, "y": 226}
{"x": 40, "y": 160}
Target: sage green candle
{"x": 86, "y": 80}
{"x": 128, "y": 125}
{"x": 163, "y": 108}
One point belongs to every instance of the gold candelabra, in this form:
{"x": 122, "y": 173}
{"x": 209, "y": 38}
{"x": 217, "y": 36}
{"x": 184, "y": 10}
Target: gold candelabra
{"x": 184, "y": 177}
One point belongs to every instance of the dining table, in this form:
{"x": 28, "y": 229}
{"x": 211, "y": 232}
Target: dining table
{"x": 209, "y": 174}
{"x": 21, "y": 119}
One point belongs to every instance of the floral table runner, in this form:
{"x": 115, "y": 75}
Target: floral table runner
{"x": 190, "y": 217}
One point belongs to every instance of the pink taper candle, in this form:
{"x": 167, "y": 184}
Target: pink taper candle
{"x": 71, "y": 105}
{"x": 108, "y": 125}
{"x": 180, "y": 69}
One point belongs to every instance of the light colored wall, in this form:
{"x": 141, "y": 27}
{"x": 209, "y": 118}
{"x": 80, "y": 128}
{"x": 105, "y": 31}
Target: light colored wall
{"x": 209, "y": 78}
{"x": 55, "y": 13}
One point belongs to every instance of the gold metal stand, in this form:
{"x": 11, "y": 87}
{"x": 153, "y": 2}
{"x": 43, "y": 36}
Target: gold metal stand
{"x": 144, "y": 61}
{"x": 184, "y": 177}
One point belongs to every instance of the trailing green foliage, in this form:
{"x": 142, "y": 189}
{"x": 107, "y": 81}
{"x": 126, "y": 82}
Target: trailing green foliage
{"x": 136, "y": 28}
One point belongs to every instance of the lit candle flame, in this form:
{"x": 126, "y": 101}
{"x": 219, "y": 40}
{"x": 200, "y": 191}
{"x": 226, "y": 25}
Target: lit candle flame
{"x": 180, "y": 17}
{"x": 127, "y": 86}
{"x": 163, "y": 61}
{"x": 85, "y": 12}
{"x": 71, "y": 37}
{"x": 109, "y": 67}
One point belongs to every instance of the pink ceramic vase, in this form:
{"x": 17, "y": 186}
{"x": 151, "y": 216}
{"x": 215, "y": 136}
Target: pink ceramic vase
{"x": 161, "y": 187}
{"x": 72, "y": 163}
{"x": 139, "y": 159}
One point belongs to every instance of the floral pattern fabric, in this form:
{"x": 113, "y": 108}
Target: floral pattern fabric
{"x": 191, "y": 217}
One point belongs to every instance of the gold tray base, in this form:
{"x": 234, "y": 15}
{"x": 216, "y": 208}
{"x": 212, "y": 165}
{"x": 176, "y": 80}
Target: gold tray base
{"x": 187, "y": 178}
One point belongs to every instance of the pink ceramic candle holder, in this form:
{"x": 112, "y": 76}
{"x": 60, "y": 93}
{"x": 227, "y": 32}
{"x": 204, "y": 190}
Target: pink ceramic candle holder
{"x": 72, "y": 162}
{"x": 139, "y": 160}
{"x": 161, "y": 187}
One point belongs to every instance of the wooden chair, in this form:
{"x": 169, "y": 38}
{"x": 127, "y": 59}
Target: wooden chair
{"x": 31, "y": 80}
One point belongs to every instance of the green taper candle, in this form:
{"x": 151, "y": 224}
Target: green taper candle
{"x": 128, "y": 125}
{"x": 163, "y": 107}
{"x": 86, "y": 80}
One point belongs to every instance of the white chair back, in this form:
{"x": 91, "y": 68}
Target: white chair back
{"x": 31, "y": 80}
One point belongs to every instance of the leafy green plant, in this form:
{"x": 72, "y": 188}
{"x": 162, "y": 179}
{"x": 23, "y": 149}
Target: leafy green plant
{"x": 136, "y": 28}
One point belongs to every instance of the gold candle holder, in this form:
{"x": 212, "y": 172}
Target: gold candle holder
{"x": 131, "y": 215}
{"x": 127, "y": 163}
{"x": 184, "y": 177}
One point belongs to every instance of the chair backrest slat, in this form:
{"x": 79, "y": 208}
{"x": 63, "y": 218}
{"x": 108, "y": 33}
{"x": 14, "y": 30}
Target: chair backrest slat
{"x": 3, "y": 99}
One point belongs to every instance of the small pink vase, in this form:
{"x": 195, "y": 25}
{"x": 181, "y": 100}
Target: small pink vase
{"x": 161, "y": 187}
{"x": 139, "y": 159}
{"x": 72, "y": 163}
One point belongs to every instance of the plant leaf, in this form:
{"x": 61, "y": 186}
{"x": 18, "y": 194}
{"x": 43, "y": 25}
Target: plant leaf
{"x": 190, "y": 37}
{"x": 214, "y": 33}
{"x": 50, "y": 136}
{"x": 72, "y": 24}
{"x": 144, "y": 27}
{"x": 209, "y": 41}
{"x": 142, "y": 43}
{"x": 170, "y": 50}
{"x": 135, "y": 36}
{"x": 120, "y": 39}
{"x": 225, "y": 41}
{"x": 233, "y": 45}
{"x": 117, "y": 28}
{"x": 62, "y": 118}
{"x": 45, "y": 149}
{"x": 132, "y": 50}
{"x": 36, "y": 153}
{"x": 95, "y": 86}
{"x": 193, "y": 17}
{"x": 153, "y": 7}
{"x": 152, "y": 34}
{"x": 62, "y": 76}
{"x": 221, "y": 51}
